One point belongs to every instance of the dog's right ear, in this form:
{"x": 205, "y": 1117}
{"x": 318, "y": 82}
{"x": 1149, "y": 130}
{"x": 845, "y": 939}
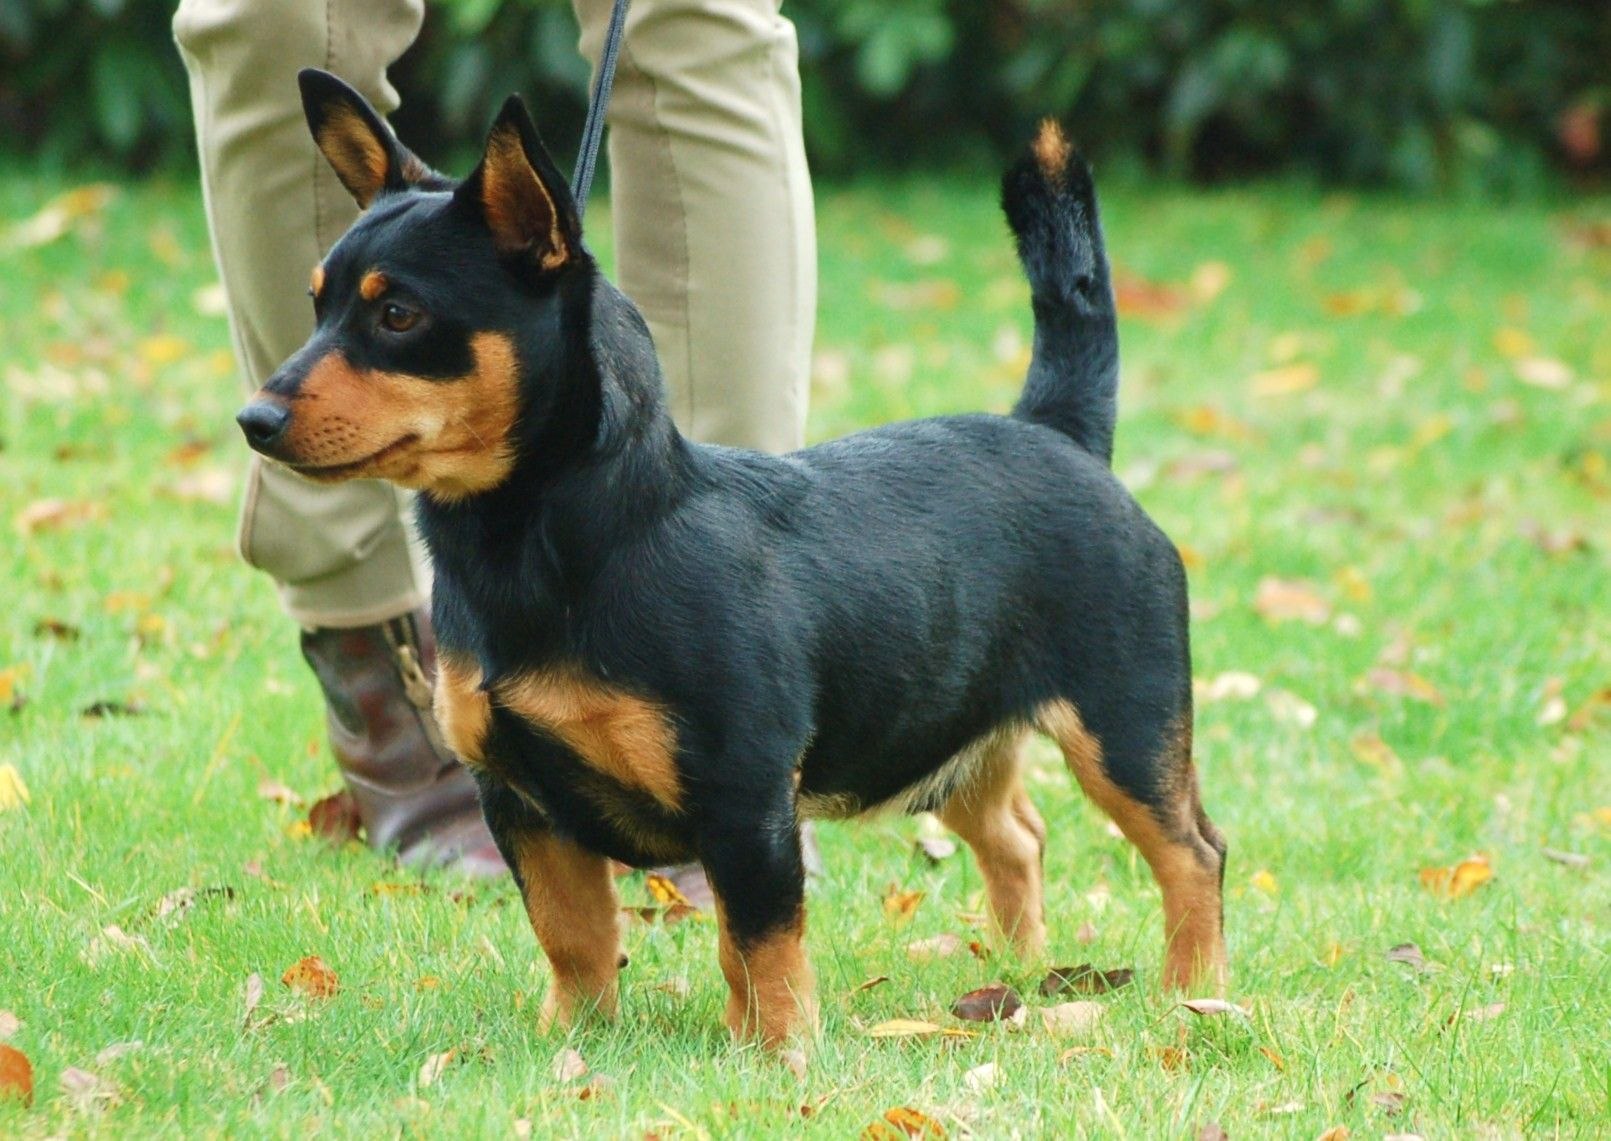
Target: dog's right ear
{"x": 521, "y": 195}
{"x": 360, "y": 146}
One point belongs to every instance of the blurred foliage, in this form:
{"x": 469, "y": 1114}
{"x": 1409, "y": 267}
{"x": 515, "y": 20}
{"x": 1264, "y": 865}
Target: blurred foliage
{"x": 1423, "y": 94}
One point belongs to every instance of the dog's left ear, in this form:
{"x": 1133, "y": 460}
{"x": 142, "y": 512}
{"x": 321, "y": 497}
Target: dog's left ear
{"x": 360, "y": 146}
{"x": 520, "y": 194}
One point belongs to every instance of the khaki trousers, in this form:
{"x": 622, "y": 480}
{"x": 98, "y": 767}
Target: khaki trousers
{"x": 715, "y": 240}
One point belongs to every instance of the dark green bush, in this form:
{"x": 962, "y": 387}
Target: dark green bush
{"x": 1417, "y": 93}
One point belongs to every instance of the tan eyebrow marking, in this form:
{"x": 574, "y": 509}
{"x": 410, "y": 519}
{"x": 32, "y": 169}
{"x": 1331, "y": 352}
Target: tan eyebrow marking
{"x": 316, "y": 283}
{"x": 374, "y": 283}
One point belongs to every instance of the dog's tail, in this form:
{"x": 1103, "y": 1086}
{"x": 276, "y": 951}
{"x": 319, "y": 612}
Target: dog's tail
{"x": 1073, "y": 383}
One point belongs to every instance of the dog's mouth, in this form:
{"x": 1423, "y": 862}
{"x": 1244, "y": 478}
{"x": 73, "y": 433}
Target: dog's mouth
{"x": 330, "y": 472}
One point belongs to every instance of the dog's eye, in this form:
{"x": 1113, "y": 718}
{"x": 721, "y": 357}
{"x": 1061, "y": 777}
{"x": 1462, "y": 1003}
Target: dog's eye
{"x": 398, "y": 318}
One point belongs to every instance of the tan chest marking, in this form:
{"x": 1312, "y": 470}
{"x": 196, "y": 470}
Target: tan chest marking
{"x": 463, "y": 711}
{"x": 625, "y": 737}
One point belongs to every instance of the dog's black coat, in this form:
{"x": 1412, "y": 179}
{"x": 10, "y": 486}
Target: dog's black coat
{"x": 856, "y": 613}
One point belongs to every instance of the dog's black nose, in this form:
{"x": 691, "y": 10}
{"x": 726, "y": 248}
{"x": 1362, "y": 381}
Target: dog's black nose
{"x": 263, "y": 421}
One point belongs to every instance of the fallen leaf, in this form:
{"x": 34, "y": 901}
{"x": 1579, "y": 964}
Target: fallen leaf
{"x": 1290, "y": 709}
{"x": 57, "y": 515}
{"x": 1084, "y": 979}
{"x": 981, "y": 1078}
{"x": 1476, "y": 1014}
{"x": 1285, "y": 380}
{"x": 1212, "y": 1007}
{"x": 1147, "y": 300}
{"x": 1212, "y": 1131}
{"x": 1568, "y": 859}
{"x": 1598, "y": 702}
{"x": 1543, "y": 372}
{"x": 1072, "y": 1019}
{"x": 1283, "y": 600}
{"x": 1459, "y": 881}
{"x": 9, "y": 1025}
{"x": 431, "y": 1072}
{"x": 900, "y": 906}
{"x": 16, "y": 1075}
{"x": 57, "y": 629}
{"x": 1276, "y": 1059}
{"x": 1209, "y": 280}
{"x": 1171, "y": 1057}
{"x": 254, "y": 995}
{"x": 61, "y": 213}
{"x": 1370, "y": 749}
{"x": 311, "y": 976}
{"x": 987, "y": 1004}
{"x": 937, "y": 848}
{"x": 568, "y": 1066}
{"x": 903, "y": 1121}
{"x": 1207, "y": 420}
{"x": 87, "y": 1092}
{"x": 279, "y": 793}
{"x": 396, "y": 887}
{"x": 1335, "y": 1133}
{"x": 279, "y": 1077}
{"x": 114, "y": 938}
{"x": 214, "y": 485}
{"x": 876, "y": 980}
{"x": 117, "y": 1050}
{"x": 1512, "y": 342}
{"x": 1402, "y": 683}
{"x": 1408, "y": 954}
{"x": 335, "y": 818}
{"x": 1263, "y": 881}
{"x": 795, "y": 1060}
{"x": 596, "y": 1088}
{"x": 915, "y": 1028}
{"x": 1230, "y": 685}
{"x": 13, "y": 789}
{"x": 905, "y": 296}
{"x": 662, "y": 890}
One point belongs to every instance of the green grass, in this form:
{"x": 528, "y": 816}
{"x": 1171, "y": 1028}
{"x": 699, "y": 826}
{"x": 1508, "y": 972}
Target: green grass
{"x": 1408, "y": 487}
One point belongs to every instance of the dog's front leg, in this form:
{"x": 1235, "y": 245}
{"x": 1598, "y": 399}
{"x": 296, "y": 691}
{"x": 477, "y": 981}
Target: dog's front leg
{"x": 571, "y": 901}
{"x": 759, "y": 882}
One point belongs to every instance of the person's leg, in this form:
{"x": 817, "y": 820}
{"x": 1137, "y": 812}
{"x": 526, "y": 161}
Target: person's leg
{"x": 347, "y": 568}
{"x": 714, "y": 222}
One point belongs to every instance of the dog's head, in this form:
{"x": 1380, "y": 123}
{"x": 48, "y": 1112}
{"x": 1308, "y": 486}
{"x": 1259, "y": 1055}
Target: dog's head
{"x": 430, "y": 311}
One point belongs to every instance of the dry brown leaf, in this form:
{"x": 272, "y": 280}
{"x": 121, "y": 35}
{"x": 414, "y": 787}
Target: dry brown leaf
{"x": 1084, "y": 979}
{"x": 1207, "y": 420}
{"x": 1212, "y": 1131}
{"x": 1598, "y": 702}
{"x": 1210, "y": 1007}
{"x": 989, "y": 1003}
{"x": 87, "y": 1092}
{"x": 900, "y": 906}
{"x": 58, "y": 216}
{"x": 1072, "y": 1019}
{"x": 254, "y": 995}
{"x": 435, "y": 1065}
{"x": 937, "y": 848}
{"x": 117, "y": 1050}
{"x": 114, "y": 938}
{"x": 335, "y": 818}
{"x": 876, "y": 980}
{"x": 16, "y": 1075}
{"x": 1408, "y": 954}
{"x": 1403, "y": 683}
{"x": 1284, "y": 600}
{"x": 568, "y": 1066}
{"x": 1459, "y": 881}
{"x": 1276, "y": 1059}
{"x": 57, "y": 515}
{"x": 1171, "y": 1057}
{"x": 1147, "y": 300}
{"x": 311, "y": 976}
{"x": 1476, "y": 1014}
{"x": 903, "y": 1121}
{"x": 1335, "y": 1133}
{"x": 57, "y": 629}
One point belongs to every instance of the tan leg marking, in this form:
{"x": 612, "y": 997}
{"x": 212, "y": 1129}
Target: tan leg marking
{"x": 627, "y": 738}
{"x": 1051, "y": 151}
{"x": 1174, "y": 843}
{"x": 992, "y": 812}
{"x": 571, "y": 902}
{"x": 463, "y": 712}
{"x": 771, "y": 991}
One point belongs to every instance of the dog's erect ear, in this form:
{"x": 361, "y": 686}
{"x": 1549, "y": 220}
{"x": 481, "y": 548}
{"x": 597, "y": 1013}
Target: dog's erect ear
{"x": 521, "y": 195}
{"x": 360, "y": 146}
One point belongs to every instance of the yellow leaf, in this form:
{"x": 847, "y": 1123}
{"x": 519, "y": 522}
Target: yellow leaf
{"x": 1286, "y": 380}
{"x": 1459, "y": 881}
{"x": 1191, "y": 558}
{"x": 1334, "y": 955}
{"x": 9, "y": 677}
{"x": 1603, "y": 815}
{"x": 1512, "y": 342}
{"x": 1431, "y": 430}
{"x": 1209, "y": 280}
{"x": 1263, "y": 881}
{"x": 903, "y": 1121}
{"x": 312, "y": 977}
{"x": 1371, "y": 750}
{"x": 162, "y": 349}
{"x": 1354, "y": 584}
{"x": 663, "y": 890}
{"x": 13, "y": 791}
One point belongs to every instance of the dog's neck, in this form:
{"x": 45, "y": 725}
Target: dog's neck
{"x": 598, "y": 461}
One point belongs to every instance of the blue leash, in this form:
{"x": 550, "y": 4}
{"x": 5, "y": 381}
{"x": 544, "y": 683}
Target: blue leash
{"x": 593, "y": 129}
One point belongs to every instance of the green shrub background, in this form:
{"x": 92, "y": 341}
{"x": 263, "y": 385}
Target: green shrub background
{"x": 1484, "y": 95}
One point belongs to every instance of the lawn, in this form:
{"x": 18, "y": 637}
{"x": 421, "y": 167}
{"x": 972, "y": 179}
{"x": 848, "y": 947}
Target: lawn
{"x": 1380, "y": 432}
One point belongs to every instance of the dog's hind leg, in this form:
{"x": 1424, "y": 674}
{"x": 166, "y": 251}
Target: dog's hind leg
{"x": 1156, "y": 805}
{"x": 994, "y": 815}
{"x": 571, "y": 902}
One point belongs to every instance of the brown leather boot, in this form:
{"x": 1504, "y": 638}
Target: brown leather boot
{"x": 412, "y": 795}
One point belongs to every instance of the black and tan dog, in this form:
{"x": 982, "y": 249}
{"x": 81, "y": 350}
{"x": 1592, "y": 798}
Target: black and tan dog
{"x": 656, "y": 651}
